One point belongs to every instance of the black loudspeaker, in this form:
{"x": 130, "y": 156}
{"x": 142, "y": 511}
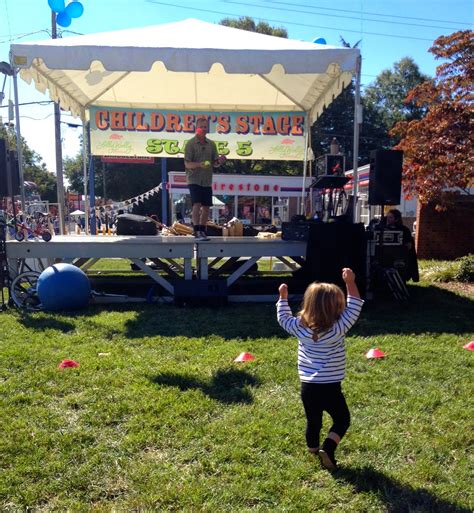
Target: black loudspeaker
{"x": 4, "y": 167}
{"x": 15, "y": 172}
{"x": 385, "y": 180}
{"x": 8, "y": 168}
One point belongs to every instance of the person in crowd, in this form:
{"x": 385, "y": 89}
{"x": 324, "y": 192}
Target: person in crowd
{"x": 78, "y": 225}
{"x": 56, "y": 224}
{"x": 394, "y": 221}
{"x": 200, "y": 158}
{"x": 264, "y": 213}
{"x": 320, "y": 327}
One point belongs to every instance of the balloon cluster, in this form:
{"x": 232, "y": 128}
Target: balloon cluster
{"x": 64, "y": 14}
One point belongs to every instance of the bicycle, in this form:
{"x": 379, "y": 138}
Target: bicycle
{"x": 37, "y": 230}
{"x": 23, "y": 291}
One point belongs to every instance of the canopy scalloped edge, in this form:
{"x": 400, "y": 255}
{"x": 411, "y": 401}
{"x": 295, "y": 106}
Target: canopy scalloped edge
{"x": 43, "y": 85}
{"x": 68, "y": 103}
{"x": 259, "y": 62}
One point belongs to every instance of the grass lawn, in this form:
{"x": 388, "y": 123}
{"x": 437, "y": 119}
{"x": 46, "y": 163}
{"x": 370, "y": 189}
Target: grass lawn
{"x": 157, "y": 417}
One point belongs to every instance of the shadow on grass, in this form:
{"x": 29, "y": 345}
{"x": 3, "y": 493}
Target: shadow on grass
{"x": 429, "y": 310}
{"x": 232, "y": 321}
{"x": 45, "y": 322}
{"x": 398, "y": 497}
{"x": 226, "y": 385}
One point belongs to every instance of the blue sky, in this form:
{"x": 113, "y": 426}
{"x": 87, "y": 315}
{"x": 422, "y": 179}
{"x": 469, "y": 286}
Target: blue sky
{"x": 388, "y": 32}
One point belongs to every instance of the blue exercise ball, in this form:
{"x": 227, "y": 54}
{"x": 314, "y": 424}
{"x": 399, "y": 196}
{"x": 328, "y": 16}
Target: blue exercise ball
{"x": 63, "y": 287}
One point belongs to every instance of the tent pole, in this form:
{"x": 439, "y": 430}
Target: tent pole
{"x": 19, "y": 147}
{"x": 58, "y": 146}
{"x": 357, "y": 122}
{"x": 164, "y": 192}
{"x": 59, "y": 167}
{"x": 92, "y": 194}
{"x": 305, "y": 164}
{"x": 84, "y": 168}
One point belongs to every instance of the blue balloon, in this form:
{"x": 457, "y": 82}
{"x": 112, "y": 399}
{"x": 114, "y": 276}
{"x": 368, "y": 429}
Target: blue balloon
{"x": 320, "y": 41}
{"x": 56, "y": 5}
{"x": 75, "y": 9}
{"x": 63, "y": 19}
{"x": 63, "y": 287}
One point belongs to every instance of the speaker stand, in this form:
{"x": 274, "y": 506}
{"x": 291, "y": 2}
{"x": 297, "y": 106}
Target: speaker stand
{"x": 4, "y": 270}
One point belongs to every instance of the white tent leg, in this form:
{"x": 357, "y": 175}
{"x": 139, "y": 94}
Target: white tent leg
{"x": 305, "y": 164}
{"x": 357, "y": 122}
{"x": 84, "y": 168}
{"x": 19, "y": 148}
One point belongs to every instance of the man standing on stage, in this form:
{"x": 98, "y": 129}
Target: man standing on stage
{"x": 200, "y": 157}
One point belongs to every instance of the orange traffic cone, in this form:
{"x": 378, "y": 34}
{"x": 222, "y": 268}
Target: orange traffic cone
{"x": 375, "y": 353}
{"x": 469, "y": 345}
{"x": 245, "y": 357}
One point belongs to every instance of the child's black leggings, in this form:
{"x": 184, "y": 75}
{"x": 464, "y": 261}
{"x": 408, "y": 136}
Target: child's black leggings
{"x": 319, "y": 397}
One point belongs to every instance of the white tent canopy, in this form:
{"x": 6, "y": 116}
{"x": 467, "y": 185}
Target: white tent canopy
{"x": 187, "y": 65}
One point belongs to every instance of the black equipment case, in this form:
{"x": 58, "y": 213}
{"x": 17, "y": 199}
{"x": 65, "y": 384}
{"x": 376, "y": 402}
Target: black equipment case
{"x": 131, "y": 224}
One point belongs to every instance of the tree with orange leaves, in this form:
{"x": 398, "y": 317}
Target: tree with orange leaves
{"x": 438, "y": 149}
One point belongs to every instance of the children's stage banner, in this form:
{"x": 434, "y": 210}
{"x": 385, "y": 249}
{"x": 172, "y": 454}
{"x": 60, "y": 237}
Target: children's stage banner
{"x": 164, "y": 133}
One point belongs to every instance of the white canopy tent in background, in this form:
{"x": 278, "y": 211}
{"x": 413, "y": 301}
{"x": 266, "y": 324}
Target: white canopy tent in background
{"x": 191, "y": 65}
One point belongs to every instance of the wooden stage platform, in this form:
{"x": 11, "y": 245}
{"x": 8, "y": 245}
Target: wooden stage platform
{"x": 164, "y": 259}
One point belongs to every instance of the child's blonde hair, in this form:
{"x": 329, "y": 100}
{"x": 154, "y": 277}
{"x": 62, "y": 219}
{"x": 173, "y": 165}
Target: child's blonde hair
{"x": 323, "y": 303}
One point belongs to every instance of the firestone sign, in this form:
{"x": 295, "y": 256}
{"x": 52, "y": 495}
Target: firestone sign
{"x": 243, "y": 185}
{"x": 231, "y": 184}
{"x": 164, "y": 133}
{"x": 247, "y": 187}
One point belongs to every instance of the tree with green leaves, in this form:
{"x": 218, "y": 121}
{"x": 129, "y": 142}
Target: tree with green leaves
{"x": 248, "y": 23}
{"x": 388, "y": 92}
{"x": 337, "y": 121}
{"x": 73, "y": 171}
{"x": 34, "y": 169}
{"x": 383, "y": 104}
{"x": 117, "y": 181}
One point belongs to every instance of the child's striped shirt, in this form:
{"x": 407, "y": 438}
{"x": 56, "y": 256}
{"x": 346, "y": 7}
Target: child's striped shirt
{"x": 322, "y": 360}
